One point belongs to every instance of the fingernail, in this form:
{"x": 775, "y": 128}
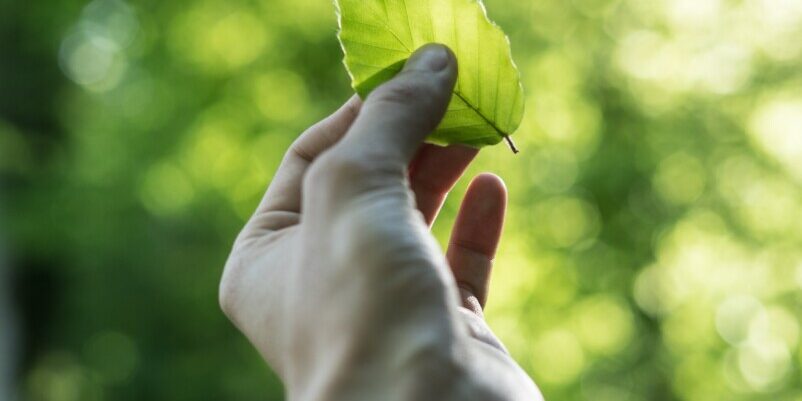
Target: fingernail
{"x": 430, "y": 57}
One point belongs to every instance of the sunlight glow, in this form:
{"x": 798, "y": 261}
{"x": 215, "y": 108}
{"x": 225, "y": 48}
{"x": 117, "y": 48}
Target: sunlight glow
{"x": 92, "y": 55}
{"x": 776, "y": 127}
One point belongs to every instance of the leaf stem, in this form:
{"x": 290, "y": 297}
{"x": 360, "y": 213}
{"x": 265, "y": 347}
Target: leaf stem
{"x": 512, "y": 144}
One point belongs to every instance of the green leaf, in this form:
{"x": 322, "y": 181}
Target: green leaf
{"x": 378, "y": 36}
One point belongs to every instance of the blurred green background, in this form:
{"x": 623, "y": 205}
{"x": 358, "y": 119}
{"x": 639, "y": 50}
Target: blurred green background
{"x": 654, "y": 244}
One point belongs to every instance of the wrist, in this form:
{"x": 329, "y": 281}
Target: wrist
{"x": 430, "y": 374}
{"x": 422, "y": 362}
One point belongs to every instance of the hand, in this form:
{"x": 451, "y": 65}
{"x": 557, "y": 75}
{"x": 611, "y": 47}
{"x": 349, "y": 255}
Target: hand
{"x": 336, "y": 279}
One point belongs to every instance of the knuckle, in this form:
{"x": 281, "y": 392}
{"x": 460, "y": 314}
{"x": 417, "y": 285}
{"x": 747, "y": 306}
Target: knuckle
{"x": 339, "y": 172}
{"x": 333, "y": 168}
{"x": 349, "y": 165}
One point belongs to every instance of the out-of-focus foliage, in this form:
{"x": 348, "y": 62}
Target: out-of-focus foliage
{"x": 654, "y": 244}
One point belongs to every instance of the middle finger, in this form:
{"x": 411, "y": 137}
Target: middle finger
{"x": 433, "y": 173}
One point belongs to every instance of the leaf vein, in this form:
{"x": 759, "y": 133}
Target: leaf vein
{"x": 376, "y": 46}
{"x": 409, "y": 22}
{"x": 479, "y": 113}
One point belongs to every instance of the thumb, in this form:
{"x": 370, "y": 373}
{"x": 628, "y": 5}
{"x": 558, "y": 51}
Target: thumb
{"x": 398, "y": 115}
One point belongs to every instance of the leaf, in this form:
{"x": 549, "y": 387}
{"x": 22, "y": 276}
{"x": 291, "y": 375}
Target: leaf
{"x": 378, "y": 36}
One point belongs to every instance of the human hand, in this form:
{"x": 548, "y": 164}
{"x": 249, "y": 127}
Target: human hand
{"x": 336, "y": 279}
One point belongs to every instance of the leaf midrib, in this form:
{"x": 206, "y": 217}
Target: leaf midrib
{"x": 479, "y": 113}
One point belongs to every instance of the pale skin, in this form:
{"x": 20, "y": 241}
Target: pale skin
{"x": 336, "y": 279}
